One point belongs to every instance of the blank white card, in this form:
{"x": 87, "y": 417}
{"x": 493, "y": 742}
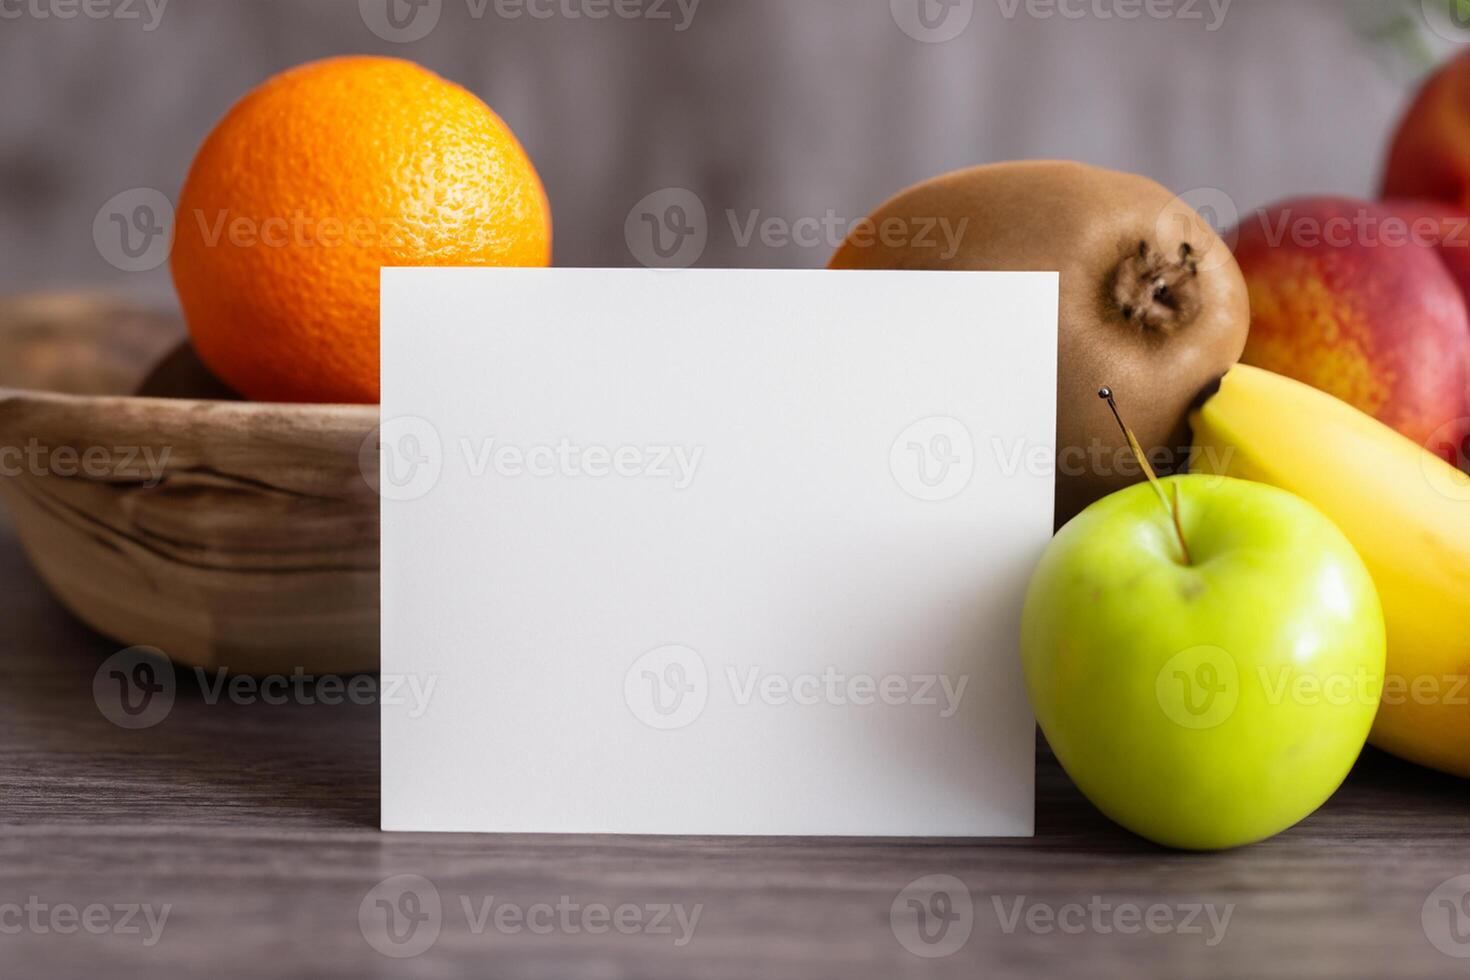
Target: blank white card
{"x": 711, "y": 552}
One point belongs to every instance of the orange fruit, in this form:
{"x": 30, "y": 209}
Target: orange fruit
{"x": 311, "y": 184}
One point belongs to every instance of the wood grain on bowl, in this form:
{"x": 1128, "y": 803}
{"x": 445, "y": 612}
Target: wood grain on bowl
{"x": 225, "y": 533}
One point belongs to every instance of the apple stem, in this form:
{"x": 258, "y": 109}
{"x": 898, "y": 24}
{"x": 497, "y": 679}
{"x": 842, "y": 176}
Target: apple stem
{"x": 1171, "y": 508}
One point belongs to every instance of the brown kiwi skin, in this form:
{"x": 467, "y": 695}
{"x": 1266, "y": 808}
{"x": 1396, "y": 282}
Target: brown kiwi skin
{"x": 1152, "y": 303}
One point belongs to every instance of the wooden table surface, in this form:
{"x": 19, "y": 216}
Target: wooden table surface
{"x": 253, "y": 828}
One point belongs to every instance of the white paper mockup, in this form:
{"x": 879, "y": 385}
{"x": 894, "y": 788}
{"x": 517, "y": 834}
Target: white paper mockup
{"x": 711, "y": 552}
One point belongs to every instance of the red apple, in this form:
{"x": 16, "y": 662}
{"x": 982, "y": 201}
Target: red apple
{"x": 1430, "y": 154}
{"x": 1346, "y": 297}
{"x": 1446, "y": 229}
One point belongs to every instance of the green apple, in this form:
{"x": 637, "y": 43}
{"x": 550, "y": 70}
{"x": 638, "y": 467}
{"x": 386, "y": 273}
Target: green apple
{"x": 1212, "y": 703}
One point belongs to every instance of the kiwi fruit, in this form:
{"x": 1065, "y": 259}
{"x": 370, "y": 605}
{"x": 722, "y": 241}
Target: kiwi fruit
{"x": 1152, "y": 303}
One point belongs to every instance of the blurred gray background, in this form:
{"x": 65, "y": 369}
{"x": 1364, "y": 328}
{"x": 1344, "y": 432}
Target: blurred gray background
{"x": 763, "y": 108}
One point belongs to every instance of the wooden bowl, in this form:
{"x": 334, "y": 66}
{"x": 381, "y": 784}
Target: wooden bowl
{"x": 228, "y": 534}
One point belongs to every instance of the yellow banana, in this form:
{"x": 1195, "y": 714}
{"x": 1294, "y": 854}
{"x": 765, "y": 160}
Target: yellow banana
{"x": 1406, "y": 511}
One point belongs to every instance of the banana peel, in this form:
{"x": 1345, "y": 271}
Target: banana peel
{"x": 1406, "y": 511}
